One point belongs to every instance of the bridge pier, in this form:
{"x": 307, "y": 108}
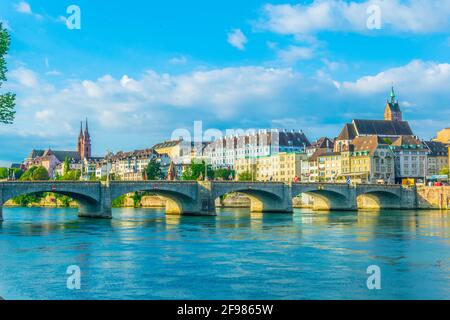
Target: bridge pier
{"x": 97, "y": 210}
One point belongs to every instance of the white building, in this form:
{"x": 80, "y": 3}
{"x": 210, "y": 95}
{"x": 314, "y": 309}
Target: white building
{"x": 224, "y": 152}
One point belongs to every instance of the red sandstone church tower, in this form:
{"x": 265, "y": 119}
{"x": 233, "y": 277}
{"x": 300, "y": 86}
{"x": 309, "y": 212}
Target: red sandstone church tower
{"x": 84, "y": 142}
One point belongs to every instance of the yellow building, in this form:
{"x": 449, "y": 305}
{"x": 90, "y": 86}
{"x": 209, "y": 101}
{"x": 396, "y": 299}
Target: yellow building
{"x": 443, "y": 136}
{"x": 281, "y": 167}
{"x": 330, "y": 166}
{"x": 172, "y": 148}
{"x": 368, "y": 159}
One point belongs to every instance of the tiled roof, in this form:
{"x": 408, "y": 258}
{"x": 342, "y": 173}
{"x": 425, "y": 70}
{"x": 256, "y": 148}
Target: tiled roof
{"x": 368, "y": 143}
{"x": 60, "y": 155}
{"x": 323, "y": 143}
{"x": 347, "y": 133}
{"x": 408, "y": 141}
{"x": 382, "y": 128}
{"x": 167, "y": 144}
{"x": 436, "y": 148}
{"x": 317, "y": 154}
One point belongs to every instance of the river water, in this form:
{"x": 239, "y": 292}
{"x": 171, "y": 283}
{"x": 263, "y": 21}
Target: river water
{"x": 144, "y": 254}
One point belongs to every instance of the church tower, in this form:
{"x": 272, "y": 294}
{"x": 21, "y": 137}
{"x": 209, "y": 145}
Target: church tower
{"x": 392, "y": 111}
{"x": 80, "y": 139}
{"x": 84, "y": 142}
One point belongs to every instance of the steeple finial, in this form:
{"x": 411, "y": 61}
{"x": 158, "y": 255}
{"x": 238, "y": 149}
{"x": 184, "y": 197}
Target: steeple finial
{"x": 392, "y": 94}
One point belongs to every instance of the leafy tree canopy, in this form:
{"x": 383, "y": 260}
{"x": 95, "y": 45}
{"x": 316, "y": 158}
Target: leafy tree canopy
{"x": 245, "y": 176}
{"x": 196, "y": 171}
{"x": 153, "y": 171}
{"x": 223, "y": 174}
{"x": 35, "y": 173}
{"x": 7, "y": 100}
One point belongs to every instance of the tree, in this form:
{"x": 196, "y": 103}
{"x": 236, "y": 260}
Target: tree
{"x": 445, "y": 171}
{"x": 35, "y": 174}
{"x": 153, "y": 171}
{"x": 4, "y": 173}
{"x": 223, "y": 174}
{"x": 71, "y": 175}
{"x": 7, "y": 100}
{"x": 66, "y": 165}
{"x": 197, "y": 170}
{"x": 245, "y": 176}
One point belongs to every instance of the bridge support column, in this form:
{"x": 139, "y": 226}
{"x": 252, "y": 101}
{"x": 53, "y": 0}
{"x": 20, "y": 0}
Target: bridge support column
{"x": 97, "y": 210}
{"x": 266, "y": 204}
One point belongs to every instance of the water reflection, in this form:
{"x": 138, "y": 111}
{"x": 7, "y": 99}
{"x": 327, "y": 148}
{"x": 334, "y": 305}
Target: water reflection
{"x": 143, "y": 253}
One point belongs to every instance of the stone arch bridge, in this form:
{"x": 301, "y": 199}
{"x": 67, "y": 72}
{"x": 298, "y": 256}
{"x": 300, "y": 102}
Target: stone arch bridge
{"x": 198, "y": 198}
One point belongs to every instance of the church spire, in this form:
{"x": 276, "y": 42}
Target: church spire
{"x": 392, "y": 94}
{"x": 81, "y": 129}
{"x": 86, "y": 129}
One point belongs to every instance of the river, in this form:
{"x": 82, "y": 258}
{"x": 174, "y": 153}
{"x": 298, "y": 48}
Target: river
{"x": 144, "y": 254}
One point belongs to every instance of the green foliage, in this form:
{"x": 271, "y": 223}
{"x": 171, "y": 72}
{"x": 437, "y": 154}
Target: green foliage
{"x": 245, "y": 176}
{"x": 444, "y": 171}
{"x": 195, "y": 170}
{"x": 223, "y": 174}
{"x": 4, "y": 173}
{"x": 71, "y": 175}
{"x": 388, "y": 141}
{"x": 153, "y": 171}
{"x": 7, "y": 100}
{"x": 35, "y": 174}
{"x": 28, "y": 199}
{"x": 66, "y": 165}
{"x": 119, "y": 202}
{"x": 64, "y": 200}
{"x": 136, "y": 199}
{"x": 17, "y": 173}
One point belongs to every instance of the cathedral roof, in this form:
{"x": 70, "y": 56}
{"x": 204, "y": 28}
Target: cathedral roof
{"x": 382, "y": 128}
{"x": 60, "y": 155}
{"x": 347, "y": 133}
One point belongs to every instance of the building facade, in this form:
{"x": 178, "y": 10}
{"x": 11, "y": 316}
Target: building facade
{"x": 223, "y": 153}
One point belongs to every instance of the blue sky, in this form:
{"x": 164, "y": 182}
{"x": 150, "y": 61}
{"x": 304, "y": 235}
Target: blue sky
{"x": 141, "y": 69}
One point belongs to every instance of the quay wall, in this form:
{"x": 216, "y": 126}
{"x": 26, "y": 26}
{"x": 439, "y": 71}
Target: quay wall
{"x": 433, "y": 198}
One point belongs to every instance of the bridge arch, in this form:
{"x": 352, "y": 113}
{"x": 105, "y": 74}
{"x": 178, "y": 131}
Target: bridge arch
{"x": 180, "y": 197}
{"x": 263, "y": 197}
{"x": 378, "y": 199}
{"x": 326, "y": 197}
{"x": 87, "y": 195}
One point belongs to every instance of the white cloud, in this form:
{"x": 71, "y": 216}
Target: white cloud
{"x": 23, "y": 7}
{"x": 178, "y": 60}
{"x": 132, "y": 112}
{"x": 294, "y": 53}
{"x": 117, "y": 102}
{"x": 24, "y": 77}
{"x": 417, "y": 76}
{"x": 418, "y": 16}
{"x": 237, "y": 39}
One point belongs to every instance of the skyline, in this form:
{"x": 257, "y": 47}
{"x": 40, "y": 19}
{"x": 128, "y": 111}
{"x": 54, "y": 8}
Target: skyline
{"x": 227, "y": 60}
